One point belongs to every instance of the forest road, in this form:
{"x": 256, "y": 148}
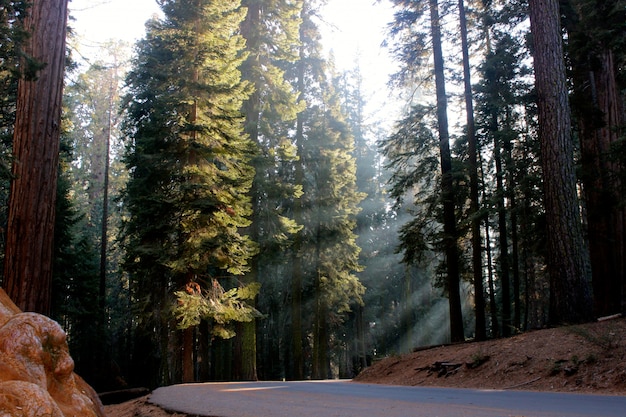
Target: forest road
{"x": 350, "y": 399}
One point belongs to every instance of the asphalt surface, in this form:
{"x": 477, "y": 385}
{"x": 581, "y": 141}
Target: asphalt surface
{"x": 348, "y": 399}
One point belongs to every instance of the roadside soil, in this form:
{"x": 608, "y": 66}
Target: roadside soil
{"x": 588, "y": 358}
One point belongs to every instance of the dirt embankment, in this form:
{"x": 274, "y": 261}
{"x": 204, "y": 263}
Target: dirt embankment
{"x": 586, "y": 358}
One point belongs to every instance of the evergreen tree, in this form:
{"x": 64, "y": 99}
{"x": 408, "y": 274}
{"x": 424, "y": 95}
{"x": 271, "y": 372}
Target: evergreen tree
{"x": 411, "y": 52}
{"x": 327, "y": 254}
{"x": 333, "y": 220}
{"x": 568, "y": 255}
{"x": 477, "y": 268}
{"x": 96, "y": 178}
{"x": 189, "y": 160}
{"x": 271, "y": 30}
{"x": 75, "y": 281}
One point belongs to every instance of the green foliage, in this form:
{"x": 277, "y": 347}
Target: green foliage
{"x": 189, "y": 157}
{"x": 220, "y": 307}
{"x": 75, "y": 300}
{"x": 335, "y": 203}
{"x": 12, "y": 36}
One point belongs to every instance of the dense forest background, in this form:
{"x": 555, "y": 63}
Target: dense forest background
{"x": 226, "y": 210}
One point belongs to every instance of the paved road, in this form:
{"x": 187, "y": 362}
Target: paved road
{"x": 347, "y": 399}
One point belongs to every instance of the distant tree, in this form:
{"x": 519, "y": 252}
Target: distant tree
{"x": 30, "y": 226}
{"x": 93, "y": 101}
{"x": 411, "y": 52}
{"x": 375, "y": 235}
{"x": 568, "y": 255}
{"x": 327, "y": 254}
{"x": 306, "y": 31}
{"x": 75, "y": 281}
{"x": 475, "y": 218}
{"x": 500, "y": 97}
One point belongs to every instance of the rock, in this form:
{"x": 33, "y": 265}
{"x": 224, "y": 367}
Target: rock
{"x": 36, "y": 370}
{"x": 25, "y": 399}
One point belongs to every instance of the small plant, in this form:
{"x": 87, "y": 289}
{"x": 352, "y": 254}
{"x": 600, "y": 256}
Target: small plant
{"x": 478, "y": 359}
{"x": 557, "y": 367}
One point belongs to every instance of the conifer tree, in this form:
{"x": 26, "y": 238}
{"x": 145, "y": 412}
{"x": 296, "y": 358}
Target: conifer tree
{"x": 411, "y": 51}
{"x": 271, "y": 31}
{"x": 96, "y": 177}
{"x": 75, "y": 280}
{"x": 189, "y": 159}
{"x": 328, "y": 255}
{"x": 568, "y": 255}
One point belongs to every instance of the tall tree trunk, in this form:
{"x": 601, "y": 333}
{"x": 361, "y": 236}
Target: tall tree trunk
{"x": 359, "y": 342}
{"x": 245, "y": 366}
{"x": 321, "y": 365}
{"x": 297, "y": 260}
{"x": 30, "y": 226}
{"x": 568, "y": 257}
{"x": 510, "y": 194}
{"x": 477, "y": 266}
{"x": 601, "y": 117}
{"x": 188, "y": 355}
{"x": 493, "y": 305}
{"x": 505, "y": 278}
{"x": 447, "y": 191}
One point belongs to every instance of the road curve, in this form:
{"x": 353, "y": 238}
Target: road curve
{"x": 348, "y": 399}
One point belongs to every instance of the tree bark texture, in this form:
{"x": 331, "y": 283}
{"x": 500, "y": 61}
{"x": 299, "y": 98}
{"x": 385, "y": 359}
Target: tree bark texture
{"x": 447, "y": 192}
{"x": 568, "y": 256}
{"x": 600, "y": 128}
{"x": 30, "y": 227}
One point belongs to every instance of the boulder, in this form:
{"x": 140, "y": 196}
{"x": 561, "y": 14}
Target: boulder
{"x": 36, "y": 370}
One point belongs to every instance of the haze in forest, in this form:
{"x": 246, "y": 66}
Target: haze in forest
{"x": 353, "y": 30}
{"x": 238, "y": 199}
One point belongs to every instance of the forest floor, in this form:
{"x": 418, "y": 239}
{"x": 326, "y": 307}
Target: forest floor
{"x": 588, "y": 358}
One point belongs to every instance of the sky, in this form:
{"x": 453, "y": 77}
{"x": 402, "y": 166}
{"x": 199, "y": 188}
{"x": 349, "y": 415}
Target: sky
{"x": 353, "y": 30}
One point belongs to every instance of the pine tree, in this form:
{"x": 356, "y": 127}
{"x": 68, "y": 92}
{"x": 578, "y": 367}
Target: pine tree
{"x": 327, "y": 254}
{"x": 75, "y": 281}
{"x": 93, "y": 100}
{"x": 190, "y": 171}
{"x": 411, "y": 52}
{"x": 331, "y": 224}
{"x": 271, "y": 31}
{"x": 477, "y": 269}
{"x": 568, "y": 255}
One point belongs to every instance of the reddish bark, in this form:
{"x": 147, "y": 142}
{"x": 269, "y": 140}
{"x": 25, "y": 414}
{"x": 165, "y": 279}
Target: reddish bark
{"x": 30, "y": 228}
{"x": 568, "y": 256}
